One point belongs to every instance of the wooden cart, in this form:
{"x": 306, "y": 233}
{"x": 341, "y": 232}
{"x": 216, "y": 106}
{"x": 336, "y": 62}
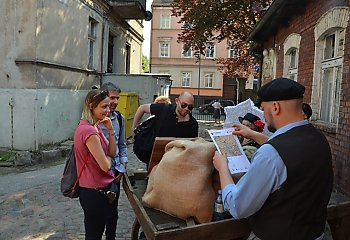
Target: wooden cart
{"x": 158, "y": 225}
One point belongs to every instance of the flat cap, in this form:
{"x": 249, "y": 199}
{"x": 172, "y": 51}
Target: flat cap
{"x": 280, "y": 89}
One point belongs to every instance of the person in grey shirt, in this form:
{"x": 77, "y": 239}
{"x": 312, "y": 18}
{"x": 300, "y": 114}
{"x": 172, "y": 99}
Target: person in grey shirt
{"x": 119, "y": 164}
{"x": 285, "y": 192}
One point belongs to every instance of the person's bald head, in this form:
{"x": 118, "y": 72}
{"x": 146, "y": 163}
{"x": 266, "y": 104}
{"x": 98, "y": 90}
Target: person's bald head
{"x": 184, "y": 103}
{"x": 186, "y": 95}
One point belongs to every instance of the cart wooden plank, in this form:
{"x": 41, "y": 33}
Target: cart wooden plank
{"x": 159, "y": 149}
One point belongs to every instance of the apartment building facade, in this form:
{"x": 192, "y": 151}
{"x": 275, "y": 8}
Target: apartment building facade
{"x": 201, "y": 78}
{"x": 51, "y": 53}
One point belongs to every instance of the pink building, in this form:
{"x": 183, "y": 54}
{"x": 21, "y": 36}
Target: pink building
{"x": 167, "y": 56}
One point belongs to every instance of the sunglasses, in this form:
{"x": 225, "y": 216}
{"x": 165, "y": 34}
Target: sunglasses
{"x": 101, "y": 94}
{"x": 184, "y": 105}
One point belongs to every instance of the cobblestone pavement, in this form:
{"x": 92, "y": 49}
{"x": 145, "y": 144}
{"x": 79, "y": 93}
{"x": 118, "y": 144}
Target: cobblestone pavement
{"x": 32, "y": 206}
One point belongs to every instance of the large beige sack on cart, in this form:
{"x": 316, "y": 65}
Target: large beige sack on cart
{"x": 182, "y": 183}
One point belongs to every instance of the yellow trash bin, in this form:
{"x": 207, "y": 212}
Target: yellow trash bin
{"x": 127, "y": 105}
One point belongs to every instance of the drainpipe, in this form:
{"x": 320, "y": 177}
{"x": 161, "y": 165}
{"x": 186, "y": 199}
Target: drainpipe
{"x": 11, "y": 104}
{"x": 260, "y": 69}
{"x": 237, "y": 91}
{"x": 102, "y": 47}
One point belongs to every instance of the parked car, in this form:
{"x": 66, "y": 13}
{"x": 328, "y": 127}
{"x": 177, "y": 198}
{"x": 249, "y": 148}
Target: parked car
{"x": 208, "y": 108}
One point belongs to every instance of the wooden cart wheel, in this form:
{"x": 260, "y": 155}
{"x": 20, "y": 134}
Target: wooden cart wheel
{"x": 135, "y": 230}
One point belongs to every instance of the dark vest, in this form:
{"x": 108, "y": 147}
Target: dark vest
{"x": 297, "y": 210}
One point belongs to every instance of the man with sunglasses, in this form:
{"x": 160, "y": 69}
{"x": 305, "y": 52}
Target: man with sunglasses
{"x": 171, "y": 120}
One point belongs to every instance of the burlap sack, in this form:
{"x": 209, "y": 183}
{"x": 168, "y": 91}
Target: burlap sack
{"x": 182, "y": 183}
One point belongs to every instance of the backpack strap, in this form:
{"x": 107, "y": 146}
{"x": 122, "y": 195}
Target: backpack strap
{"x": 81, "y": 171}
{"x": 120, "y": 121}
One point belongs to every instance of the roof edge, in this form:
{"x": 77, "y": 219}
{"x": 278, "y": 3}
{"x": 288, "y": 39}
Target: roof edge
{"x": 275, "y": 6}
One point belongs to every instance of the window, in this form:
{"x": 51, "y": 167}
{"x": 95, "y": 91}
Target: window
{"x": 165, "y": 21}
{"x": 328, "y": 70}
{"x": 187, "y": 25}
{"x": 331, "y": 74}
{"x": 186, "y": 52}
{"x": 291, "y": 56}
{"x": 186, "y": 79}
{"x": 231, "y": 52}
{"x": 92, "y": 42}
{"x": 208, "y": 80}
{"x": 209, "y": 50}
{"x": 164, "y": 49}
{"x": 292, "y": 64}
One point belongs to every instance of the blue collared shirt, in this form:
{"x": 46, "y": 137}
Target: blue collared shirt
{"x": 120, "y": 139}
{"x": 266, "y": 174}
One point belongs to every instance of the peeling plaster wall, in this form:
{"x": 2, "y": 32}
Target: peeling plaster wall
{"x": 39, "y": 104}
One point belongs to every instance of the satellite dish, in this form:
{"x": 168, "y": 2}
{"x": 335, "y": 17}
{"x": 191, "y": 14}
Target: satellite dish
{"x": 148, "y": 16}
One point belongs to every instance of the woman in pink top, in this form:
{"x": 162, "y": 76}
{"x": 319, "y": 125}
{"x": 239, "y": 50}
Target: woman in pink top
{"x": 93, "y": 155}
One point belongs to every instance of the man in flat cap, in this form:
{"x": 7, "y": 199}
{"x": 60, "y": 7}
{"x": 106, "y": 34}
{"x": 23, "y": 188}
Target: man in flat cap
{"x": 285, "y": 192}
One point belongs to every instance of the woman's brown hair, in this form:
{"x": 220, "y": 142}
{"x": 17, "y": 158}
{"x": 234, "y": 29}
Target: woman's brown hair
{"x": 92, "y": 99}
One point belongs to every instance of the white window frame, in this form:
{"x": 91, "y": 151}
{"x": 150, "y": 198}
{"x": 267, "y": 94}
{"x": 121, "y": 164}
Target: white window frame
{"x": 164, "y": 49}
{"x": 92, "y": 42}
{"x": 210, "y": 51}
{"x": 291, "y": 45}
{"x": 231, "y": 52}
{"x": 209, "y": 80}
{"x": 327, "y": 77}
{"x": 165, "y": 21}
{"x": 292, "y": 66}
{"x": 187, "y": 54}
{"x": 186, "y": 79}
{"x": 331, "y": 75}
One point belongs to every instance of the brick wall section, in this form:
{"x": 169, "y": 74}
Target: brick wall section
{"x": 304, "y": 25}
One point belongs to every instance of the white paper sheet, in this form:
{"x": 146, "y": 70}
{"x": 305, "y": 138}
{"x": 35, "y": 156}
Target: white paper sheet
{"x": 228, "y": 145}
{"x": 241, "y": 109}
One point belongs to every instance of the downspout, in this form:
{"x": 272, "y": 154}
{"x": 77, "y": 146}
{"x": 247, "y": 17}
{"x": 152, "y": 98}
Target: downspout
{"x": 36, "y": 102}
{"x": 102, "y": 48}
{"x": 237, "y": 91}
{"x": 261, "y": 69}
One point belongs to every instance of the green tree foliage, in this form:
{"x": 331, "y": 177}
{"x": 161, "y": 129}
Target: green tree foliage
{"x": 218, "y": 20}
{"x": 145, "y": 64}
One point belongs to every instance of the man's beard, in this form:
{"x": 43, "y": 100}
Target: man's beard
{"x": 182, "y": 113}
{"x": 271, "y": 128}
{"x": 112, "y": 109}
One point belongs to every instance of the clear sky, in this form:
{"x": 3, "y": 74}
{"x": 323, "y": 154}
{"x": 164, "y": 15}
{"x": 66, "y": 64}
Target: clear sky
{"x": 147, "y": 31}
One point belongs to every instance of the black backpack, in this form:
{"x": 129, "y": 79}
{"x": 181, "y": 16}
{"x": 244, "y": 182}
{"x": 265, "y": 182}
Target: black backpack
{"x": 70, "y": 178}
{"x": 144, "y": 137}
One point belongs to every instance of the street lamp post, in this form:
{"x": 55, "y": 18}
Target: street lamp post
{"x": 199, "y": 75}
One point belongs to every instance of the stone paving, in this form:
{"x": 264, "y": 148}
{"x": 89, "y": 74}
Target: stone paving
{"x": 41, "y": 212}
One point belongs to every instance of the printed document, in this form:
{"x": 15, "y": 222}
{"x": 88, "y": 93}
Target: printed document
{"x": 229, "y": 146}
